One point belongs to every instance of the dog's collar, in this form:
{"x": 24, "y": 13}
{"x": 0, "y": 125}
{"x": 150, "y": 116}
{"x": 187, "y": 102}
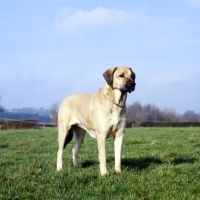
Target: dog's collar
{"x": 121, "y": 106}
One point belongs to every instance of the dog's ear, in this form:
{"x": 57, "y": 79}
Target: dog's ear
{"x": 132, "y": 72}
{"x": 108, "y": 75}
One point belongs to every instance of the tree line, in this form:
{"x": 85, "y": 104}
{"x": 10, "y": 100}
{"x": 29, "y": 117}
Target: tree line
{"x": 1, "y": 108}
{"x": 146, "y": 113}
{"x": 151, "y": 113}
{"x": 41, "y": 115}
{"x": 135, "y": 113}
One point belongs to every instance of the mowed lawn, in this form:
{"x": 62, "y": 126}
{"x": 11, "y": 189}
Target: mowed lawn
{"x": 157, "y": 163}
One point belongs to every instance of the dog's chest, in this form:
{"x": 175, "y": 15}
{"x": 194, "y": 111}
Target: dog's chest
{"x": 116, "y": 124}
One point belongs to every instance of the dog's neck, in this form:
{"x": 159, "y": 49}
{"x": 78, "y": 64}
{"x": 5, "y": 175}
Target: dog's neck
{"x": 115, "y": 96}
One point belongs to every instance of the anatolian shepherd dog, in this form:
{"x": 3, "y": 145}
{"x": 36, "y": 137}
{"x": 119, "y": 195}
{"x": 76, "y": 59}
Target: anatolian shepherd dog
{"x": 102, "y": 115}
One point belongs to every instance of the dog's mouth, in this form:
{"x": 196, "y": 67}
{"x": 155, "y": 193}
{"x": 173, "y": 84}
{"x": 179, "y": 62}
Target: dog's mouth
{"x": 130, "y": 86}
{"x": 128, "y": 89}
{"x": 131, "y": 89}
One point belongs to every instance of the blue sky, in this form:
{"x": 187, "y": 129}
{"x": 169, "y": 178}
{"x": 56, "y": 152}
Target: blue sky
{"x": 50, "y": 49}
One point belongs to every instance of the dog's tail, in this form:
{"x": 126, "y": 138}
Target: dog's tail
{"x": 69, "y": 137}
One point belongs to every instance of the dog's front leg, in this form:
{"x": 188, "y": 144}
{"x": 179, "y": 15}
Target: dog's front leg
{"x": 102, "y": 154}
{"x": 118, "y": 143}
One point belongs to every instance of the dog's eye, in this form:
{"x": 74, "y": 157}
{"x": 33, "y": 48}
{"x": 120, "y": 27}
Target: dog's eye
{"x": 132, "y": 76}
{"x": 121, "y": 75}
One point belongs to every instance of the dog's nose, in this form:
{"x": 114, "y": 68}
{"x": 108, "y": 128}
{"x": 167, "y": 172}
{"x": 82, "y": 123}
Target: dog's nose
{"x": 131, "y": 83}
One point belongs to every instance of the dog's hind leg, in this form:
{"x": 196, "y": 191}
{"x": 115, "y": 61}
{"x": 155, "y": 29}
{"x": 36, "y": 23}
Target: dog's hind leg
{"x": 65, "y": 135}
{"x": 79, "y": 134}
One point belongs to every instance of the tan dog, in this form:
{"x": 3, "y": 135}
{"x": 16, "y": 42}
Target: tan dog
{"x": 102, "y": 115}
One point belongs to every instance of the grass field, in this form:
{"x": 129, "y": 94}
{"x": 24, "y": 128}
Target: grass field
{"x": 157, "y": 163}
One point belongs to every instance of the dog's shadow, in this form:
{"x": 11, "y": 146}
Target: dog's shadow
{"x": 144, "y": 162}
{"x": 88, "y": 163}
{"x": 183, "y": 160}
{"x": 4, "y": 146}
{"x": 141, "y": 162}
{"x": 130, "y": 163}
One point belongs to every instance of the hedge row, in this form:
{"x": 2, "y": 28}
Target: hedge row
{"x": 12, "y": 124}
{"x": 163, "y": 124}
{"x": 26, "y": 124}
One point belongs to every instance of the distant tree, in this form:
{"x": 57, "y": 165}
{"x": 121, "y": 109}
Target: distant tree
{"x": 134, "y": 112}
{"x": 152, "y": 113}
{"x": 149, "y": 112}
{"x": 170, "y": 114}
{"x": 190, "y": 116}
{"x": 1, "y": 108}
{"x": 54, "y": 113}
{"x": 43, "y": 111}
{"x": 26, "y": 113}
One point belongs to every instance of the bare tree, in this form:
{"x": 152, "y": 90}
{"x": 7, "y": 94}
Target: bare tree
{"x": 190, "y": 116}
{"x": 134, "y": 112}
{"x": 1, "y": 108}
{"x": 149, "y": 112}
{"x": 170, "y": 114}
{"x": 54, "y": 113}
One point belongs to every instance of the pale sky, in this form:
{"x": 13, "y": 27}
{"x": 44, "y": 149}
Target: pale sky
{"x": 50, "y": 49}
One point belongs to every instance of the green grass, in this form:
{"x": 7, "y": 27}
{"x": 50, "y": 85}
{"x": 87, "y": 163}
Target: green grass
{"x": 157, "y": 163}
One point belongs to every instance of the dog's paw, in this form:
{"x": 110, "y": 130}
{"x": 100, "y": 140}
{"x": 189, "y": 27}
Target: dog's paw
{"x": 59, "y": 169}
{"x": 118, "y": 170}
{"x": 104, "y": 173}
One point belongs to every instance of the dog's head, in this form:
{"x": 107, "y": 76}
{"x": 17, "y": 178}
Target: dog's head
{"x": 122, "y": 78}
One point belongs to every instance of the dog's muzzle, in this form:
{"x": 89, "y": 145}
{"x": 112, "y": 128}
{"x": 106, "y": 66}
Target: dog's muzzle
{"x": 130, "y": 86}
